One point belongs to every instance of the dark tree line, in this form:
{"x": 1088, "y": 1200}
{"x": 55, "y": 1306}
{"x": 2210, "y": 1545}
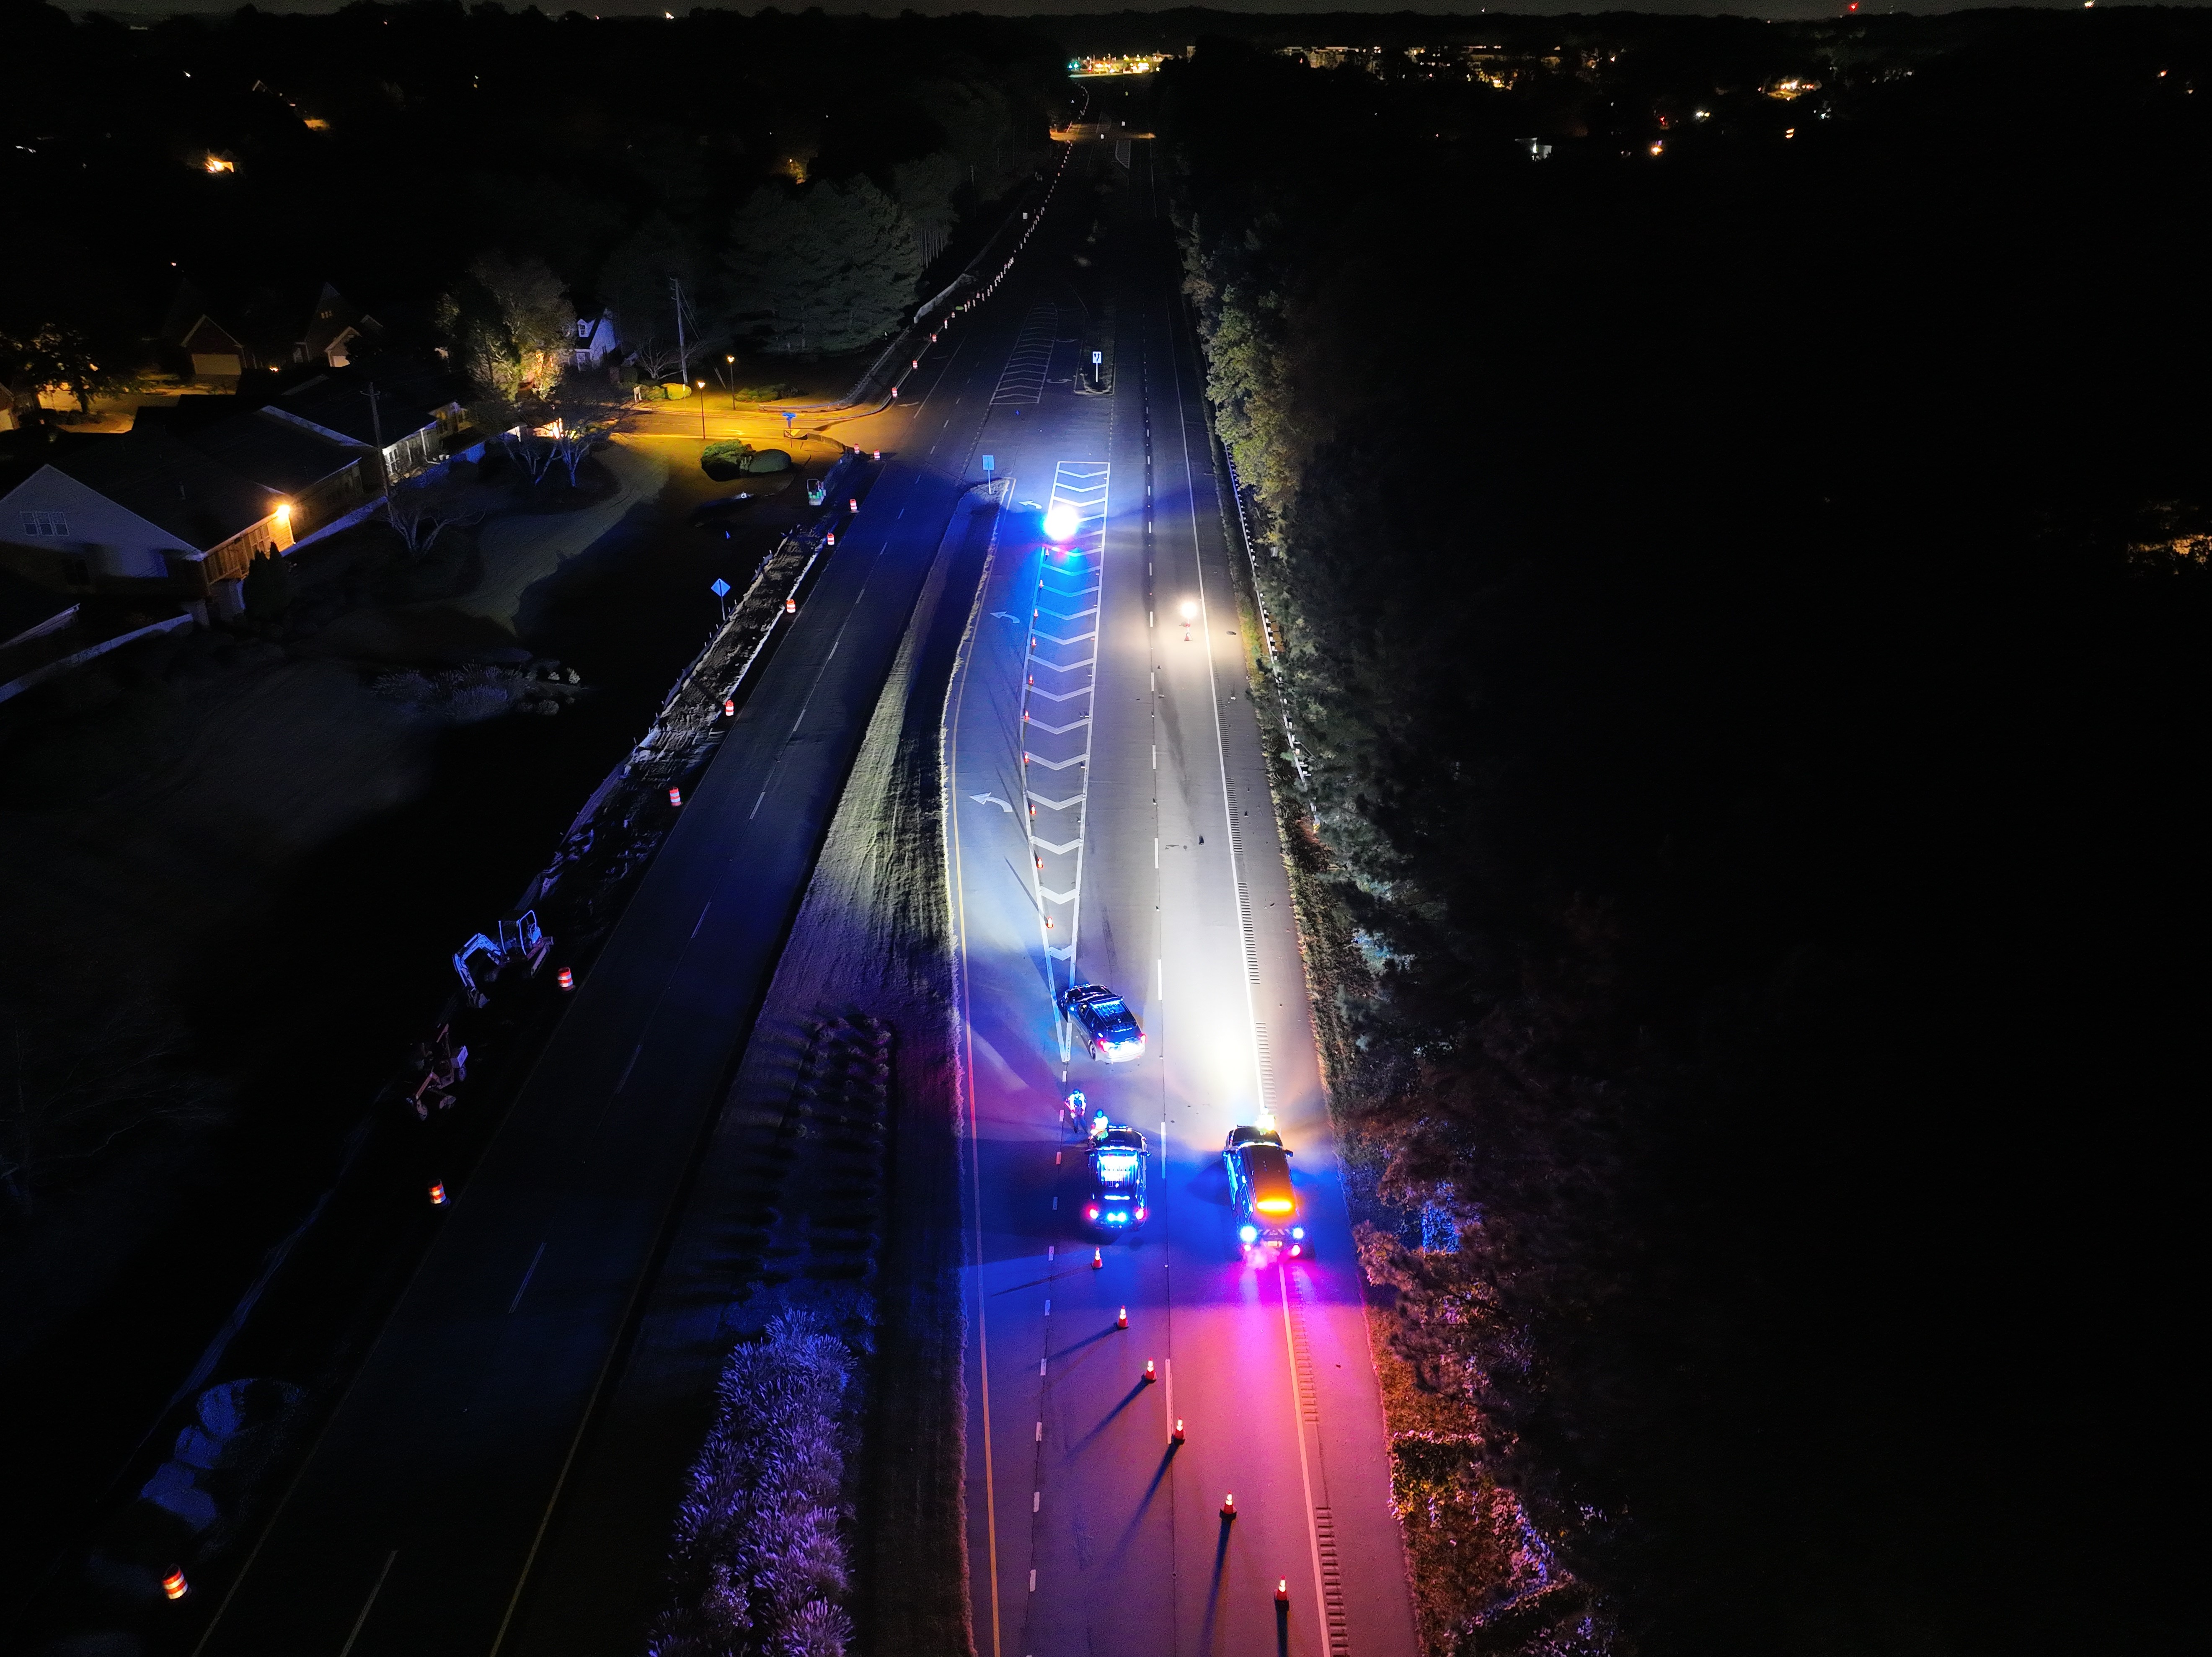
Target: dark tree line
{"x": 1746, "y": 612}
{"x": 801, "y": 174}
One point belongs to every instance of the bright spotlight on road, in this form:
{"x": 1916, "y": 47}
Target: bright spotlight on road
{"x": 1189, "y": 609}
{"x": 1061, "y": 520}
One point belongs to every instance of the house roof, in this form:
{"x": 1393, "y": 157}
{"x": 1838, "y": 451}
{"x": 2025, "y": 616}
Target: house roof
{"x": 337, "y": 403}
{"x": 273, "y": 453}
{"x": 207, "y": 335}
{"x": 172, "y": 485}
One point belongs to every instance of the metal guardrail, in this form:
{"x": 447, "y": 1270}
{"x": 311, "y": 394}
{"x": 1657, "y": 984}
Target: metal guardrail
{"x": 1260, "y": 600}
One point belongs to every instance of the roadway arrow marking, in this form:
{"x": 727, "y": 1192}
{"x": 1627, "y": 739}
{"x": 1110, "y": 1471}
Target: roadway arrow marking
{"x": 992, "y": 799}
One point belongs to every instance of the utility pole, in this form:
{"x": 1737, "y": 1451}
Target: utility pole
{"x": 376, "y": 430}
{"x": 683, "y": 350}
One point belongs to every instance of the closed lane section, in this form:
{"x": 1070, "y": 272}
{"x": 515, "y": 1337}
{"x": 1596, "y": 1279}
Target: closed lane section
{"x": 1092, "y": 1529}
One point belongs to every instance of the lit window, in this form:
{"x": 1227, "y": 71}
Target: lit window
{"x": 45, "y": 523}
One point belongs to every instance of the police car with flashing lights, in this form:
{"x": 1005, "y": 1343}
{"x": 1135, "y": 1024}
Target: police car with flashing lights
{"x": 1117, "y": 1158}
{"x": 1260, "y": 1194}
{"x": 1108, "y": 1028}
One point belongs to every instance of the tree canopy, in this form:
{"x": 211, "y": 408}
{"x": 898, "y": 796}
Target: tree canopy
{"x": 822, "y": 266}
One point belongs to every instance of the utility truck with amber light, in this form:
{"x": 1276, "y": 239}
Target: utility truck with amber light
{"x": 1266, "y": 1208}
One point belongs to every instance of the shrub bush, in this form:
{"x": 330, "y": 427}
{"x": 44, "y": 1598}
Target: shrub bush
{"x": 758, "y": 1567}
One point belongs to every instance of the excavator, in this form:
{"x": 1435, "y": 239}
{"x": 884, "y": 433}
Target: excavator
{"x": 520, "y": 942}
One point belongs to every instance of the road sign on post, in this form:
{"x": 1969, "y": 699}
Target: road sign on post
{"x": 989, "y": 461}
{"x": 721, "y": 588}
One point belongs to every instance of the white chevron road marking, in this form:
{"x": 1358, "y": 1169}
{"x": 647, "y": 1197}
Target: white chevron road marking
{"x": 1060, "y": 850}
{"x": 1058, "y": 730}
{"x": 1052, "y": 765}
{"x": 1056, "y": 804}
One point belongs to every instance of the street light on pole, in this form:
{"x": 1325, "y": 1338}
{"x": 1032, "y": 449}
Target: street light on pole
{"x": 702, "y": 411}
{"x": 732, "y": 361}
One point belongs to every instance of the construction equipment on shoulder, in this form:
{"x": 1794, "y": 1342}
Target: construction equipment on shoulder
{"x": 482, "y": 959}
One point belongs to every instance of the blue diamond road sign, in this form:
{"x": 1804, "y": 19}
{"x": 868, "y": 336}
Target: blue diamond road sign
{"x": 721, "y": 588}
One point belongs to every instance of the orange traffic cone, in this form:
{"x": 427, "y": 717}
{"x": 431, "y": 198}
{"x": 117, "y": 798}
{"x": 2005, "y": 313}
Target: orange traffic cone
{"x": 1123, "y": 1322}
{"x": 1282, "y": 1590}
{"x": 1229, "y": 1506}
{"x": 1152, "y": 1372}
{"x": 1175, "y": 1437}
{"x": 437, "y": 1196}
{"x": 1098, "y": 1259}
{"x": 174, "y": 1585}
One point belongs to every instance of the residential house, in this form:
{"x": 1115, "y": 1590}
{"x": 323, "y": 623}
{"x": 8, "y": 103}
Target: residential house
{"x": 143, "y": 516}
{"x": 265, "y": 330}
{"x": 216, "y": 353}
{"x": 336, "y": 324}
{"x": 401, "y": 418}
{"x": 323, "y": 480}
{"x": 177, "y": 510}
{"x": 595, "y": 337}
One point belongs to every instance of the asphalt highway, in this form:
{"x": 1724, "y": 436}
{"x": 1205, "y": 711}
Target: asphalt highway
{"x": 413, "y": 1523}
{"x": 1110, "y": 822}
